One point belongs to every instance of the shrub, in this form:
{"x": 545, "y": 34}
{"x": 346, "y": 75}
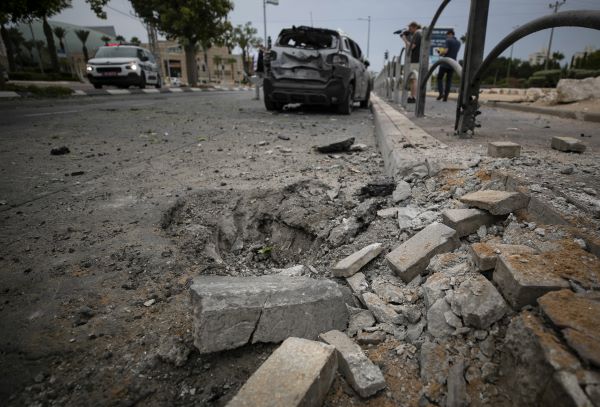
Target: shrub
{"x": 38, "y": 76}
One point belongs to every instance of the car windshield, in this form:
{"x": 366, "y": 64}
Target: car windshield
{"x": 310, "y": 39}
{"x": 116, "y": 52}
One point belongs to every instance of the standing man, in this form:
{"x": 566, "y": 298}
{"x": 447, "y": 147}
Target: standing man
{"x": 414, "y": 31}
{"x": 449, "y": 51}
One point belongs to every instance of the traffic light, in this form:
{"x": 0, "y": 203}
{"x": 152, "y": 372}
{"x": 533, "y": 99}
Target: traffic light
{"x": 386, "y": 54}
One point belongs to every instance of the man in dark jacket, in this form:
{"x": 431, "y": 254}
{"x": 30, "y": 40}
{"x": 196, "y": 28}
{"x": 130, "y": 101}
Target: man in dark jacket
{"x": 450, "y": 51}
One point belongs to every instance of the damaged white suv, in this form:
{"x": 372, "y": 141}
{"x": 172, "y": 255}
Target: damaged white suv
{"x": 316, "y": 66}
{"x": 123, "y": 66}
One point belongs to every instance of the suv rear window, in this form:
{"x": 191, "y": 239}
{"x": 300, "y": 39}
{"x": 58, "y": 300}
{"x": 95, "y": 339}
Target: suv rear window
{"x": 309, "y": 39}
{"x": 116, "y": 52}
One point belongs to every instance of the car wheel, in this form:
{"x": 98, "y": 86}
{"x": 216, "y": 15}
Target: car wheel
{"x": 158, "y": 82}
{"x": 143, "y": 82}
{"x": 271, "y": 106}
{"x": 97, "y": 86}
{"x": 346, "y": 106}
{"x": 365, "y": 103}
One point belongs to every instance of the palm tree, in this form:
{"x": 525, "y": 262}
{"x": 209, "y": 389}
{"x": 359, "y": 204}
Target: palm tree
{"x": 105, "y": 39}
{"x": 60, "y": 33}
{"x": 13, "y": 41}
{"x": 83, "y": 36}
{"x": 135, "y": 41}
{"x": 232, "y": 61}
{"x": 217, "y": 60}
{"x": 245, "y": 37}
{"x": 29, "y": 44}
{"x": 120, "y": 38}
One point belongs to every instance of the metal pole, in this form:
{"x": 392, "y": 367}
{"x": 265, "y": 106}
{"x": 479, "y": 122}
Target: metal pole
{"x": 369, "y": 37}
{"x": 555, "y": 6}
{"x": 509, "y": 63}
{"x": 468, "y": 97}
{"x": 265, "y": 18}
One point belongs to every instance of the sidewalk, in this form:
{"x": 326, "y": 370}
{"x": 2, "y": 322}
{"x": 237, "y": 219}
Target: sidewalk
{"x": 586, "y": 110}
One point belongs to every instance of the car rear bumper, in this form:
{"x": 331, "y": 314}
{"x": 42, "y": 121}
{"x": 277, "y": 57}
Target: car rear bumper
{"x": 130, "y": 79}
{"x": 331, "y": 92}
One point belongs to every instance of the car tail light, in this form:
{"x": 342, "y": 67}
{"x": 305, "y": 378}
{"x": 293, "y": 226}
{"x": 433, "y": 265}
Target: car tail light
{"x": 338, "y": 59}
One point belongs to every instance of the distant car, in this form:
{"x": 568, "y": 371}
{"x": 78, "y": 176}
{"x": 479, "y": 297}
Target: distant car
{"x": 316, "y": 66}
{"x": 123, "y": 66}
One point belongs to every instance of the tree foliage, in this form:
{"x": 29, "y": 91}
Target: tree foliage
{"x": 83, "y": 36}
{"x": 192, "y": 22}
{"x": 244, "y": 36}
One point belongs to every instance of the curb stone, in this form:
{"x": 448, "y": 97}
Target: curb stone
{"x": 120, "y": 92}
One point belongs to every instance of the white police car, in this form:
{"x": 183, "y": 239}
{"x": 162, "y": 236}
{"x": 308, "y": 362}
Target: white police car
{"x": 123, "y": 66}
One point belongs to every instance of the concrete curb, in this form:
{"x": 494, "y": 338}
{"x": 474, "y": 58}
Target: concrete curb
{"x": 406, "y": 148}
{"x": 119, "y": 92}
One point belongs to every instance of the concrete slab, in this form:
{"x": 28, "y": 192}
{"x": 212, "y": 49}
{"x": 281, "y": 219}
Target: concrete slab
{"x": 229, "y": 312}
{"x": 522, "y": 280}
{"x": 496, "y": 202}
{"x": 466, "y": 221}
{"x": 412, "y": 257}
{"x": 567, "y": 144}
{"x": 350, "y": 265}
{"x": 298, "y": 373}
{"x": 364, "y": 377}
{"x": 504, "y": 149}
{"x": 478, "y": 302}
{"x": 358, "y": 284}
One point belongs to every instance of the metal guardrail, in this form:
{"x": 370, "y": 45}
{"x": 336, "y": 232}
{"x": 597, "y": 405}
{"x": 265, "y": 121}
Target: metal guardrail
{"x": 395, "y": 76}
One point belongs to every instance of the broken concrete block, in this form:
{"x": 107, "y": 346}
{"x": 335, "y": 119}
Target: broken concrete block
{"x": 364, "y": 377}
{"x": 343, "y": 232}
{"x": 478, "y": 302}
{"x": 298, "y": 373}
{"x": 435, "y": 287}
{"x": 402, "y": 192}
{"x": 434, "y": 362}
{"x": 371, "y": 338}
{"x": 485, "y": 254}
{"x": 412, "y": 257}
{"x": 387, "y": 213}
{"x": 350, "y": 265}
{"x": 406, "y": 216}
{"x": 436, "y": 319}
{"x": 579, "y": 318}
{"x": 457, "y": 387}
{"x": 504, "y": 149}
{"x": 466, "y": 221}
{"x": 388, "y": 292}
{"x": 532, "y": 354}
{"x": 523, "y": 280}
{"x": 567, "y": 144}
{"x": 359, "y": 321}
{"x": 382, "y": 311}
{"x": 358, "y": 284}
{"x": 229, "y": 312}
{"x": 496, "y": 202}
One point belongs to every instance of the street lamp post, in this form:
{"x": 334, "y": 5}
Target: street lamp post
{"x": 555, "y": 6}
{"x": 368, "y": 19}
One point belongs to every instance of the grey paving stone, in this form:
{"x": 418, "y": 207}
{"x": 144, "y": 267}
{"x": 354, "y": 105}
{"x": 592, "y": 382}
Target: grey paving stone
{"x": 364, "y": 377}
{"x": 567, "y": 144}
{"x": 496, "y": 202}
{"x": 229, "y": 312}
{"x": 466, "y": 221}
{"x": 504, "y": 149}
{"x": 350, "y": 265}
{"x": 298, "y": 373}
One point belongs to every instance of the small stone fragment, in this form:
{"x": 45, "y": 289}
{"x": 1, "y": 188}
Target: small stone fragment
{"x": 457, "y": 387}
{"x": 478, "y": 302}
{"x": 382, "y": 311}
{"x": 371, "y": 338}
{"x": 402, "y": 192}
{"x": 504, "y": 149}
{"x": 336, "y": 147}
{"x": 359, "y": 321}
{"x": 358, "y": 284}
{"x": 436, "y": 319}
{"x": 567, "y": 144}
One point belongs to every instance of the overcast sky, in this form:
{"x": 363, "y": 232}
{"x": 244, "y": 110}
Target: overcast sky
{"x": 387, "y": 16}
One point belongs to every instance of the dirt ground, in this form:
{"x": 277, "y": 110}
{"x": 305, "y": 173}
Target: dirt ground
{"x": 99, "y": 246}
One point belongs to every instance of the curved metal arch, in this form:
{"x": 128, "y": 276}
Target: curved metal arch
{"x": 574, "y": 18}
{"x": 436, "y": 16}
{"x": 446, "y": 61}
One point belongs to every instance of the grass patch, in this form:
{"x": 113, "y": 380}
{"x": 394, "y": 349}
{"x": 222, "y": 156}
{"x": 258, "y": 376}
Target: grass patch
{"x": 40, "y": 91}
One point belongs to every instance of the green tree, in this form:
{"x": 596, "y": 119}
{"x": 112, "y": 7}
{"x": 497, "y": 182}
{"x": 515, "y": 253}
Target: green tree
{"x": 191, "y": 22}
{"x": 29, "y": 45}
{"x": 135, "y": 41}
{"x": 120, "y": 38}
{"x": 83, "y": 36}
{"x": 245, "y": 37}
{"x": 60, "y": 33}
{"x": 218, "y": 60}
{"x": 105, "y": 39}
{"x": 13, "y": 39}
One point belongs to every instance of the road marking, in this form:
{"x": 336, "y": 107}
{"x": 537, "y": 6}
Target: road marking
{"x": 175, "y": 90}
{"x": 51, "y": 113}
{"x": 150, "y": 90}
{"x": 9, "y": 94}
{"x": 118, "y": 91}
{"x": 78, "y": 92}
{"x": 196, "y": 89}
